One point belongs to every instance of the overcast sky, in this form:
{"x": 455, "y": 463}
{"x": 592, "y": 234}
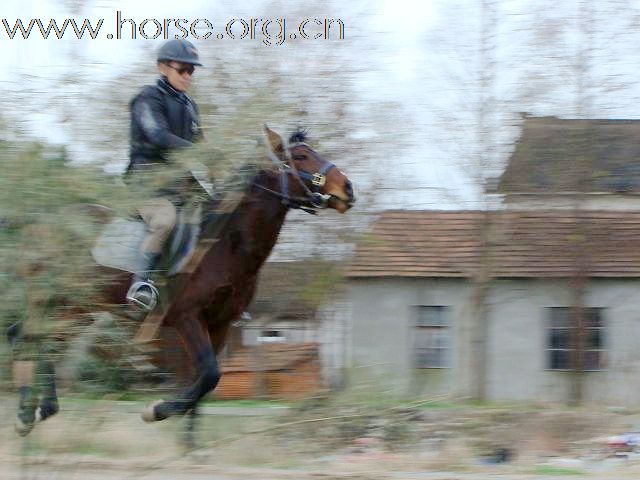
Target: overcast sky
{"x": 422, "y": 54}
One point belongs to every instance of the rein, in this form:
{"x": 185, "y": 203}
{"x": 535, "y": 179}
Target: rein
{"x": 289, "y": 201}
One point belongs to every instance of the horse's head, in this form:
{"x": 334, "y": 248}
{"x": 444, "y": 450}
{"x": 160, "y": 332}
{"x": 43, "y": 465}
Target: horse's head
{"x": 323, "y": 184}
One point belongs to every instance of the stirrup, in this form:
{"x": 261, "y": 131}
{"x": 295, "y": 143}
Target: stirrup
{"x": 144, "y": 294}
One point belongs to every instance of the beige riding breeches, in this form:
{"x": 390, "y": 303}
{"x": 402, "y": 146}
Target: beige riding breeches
{"x": 160, "y": 216}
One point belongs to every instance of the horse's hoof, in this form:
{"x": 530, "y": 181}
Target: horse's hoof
{"x": 48, "y": 407}
{"x": 23, "y": 429}
{"x": 149, "y": 413}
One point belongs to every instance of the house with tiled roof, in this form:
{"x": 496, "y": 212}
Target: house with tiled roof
{"x": 556, "y": 160}
{"x": 416, "y": 279}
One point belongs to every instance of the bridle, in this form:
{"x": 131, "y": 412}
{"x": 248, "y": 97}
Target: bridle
{"x": 313, "y": 200}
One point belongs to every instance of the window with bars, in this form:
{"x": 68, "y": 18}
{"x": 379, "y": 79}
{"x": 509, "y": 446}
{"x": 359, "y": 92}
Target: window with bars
{"x": 432, "y": 332}
{"x": 561, "y": 334}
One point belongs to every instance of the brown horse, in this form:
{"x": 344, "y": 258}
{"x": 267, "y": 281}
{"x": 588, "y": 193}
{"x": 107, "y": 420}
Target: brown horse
{"x": 223, "y": 283}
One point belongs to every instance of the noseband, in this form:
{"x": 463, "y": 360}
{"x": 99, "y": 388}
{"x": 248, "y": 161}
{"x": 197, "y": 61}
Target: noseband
{"x": 313, "y": 200}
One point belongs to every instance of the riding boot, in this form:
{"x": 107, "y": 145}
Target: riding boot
{"x": 48, "y": 405}
{"x": 24, "y": 378}
{"x": 13, "y": 333}
{"x": 26, "y": 417}
{"x": 142, "y": 291}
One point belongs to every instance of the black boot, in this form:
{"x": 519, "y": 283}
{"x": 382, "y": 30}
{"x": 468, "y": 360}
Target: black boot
{"x": 48, "y": 405}
{"x": 26, "y": 418}
{"x": 13, "y": 333}
{"x": 143, "y": 292}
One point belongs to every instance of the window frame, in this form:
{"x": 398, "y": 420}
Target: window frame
{"x": 441, "y": 327}
{"x": 600, "y": 327}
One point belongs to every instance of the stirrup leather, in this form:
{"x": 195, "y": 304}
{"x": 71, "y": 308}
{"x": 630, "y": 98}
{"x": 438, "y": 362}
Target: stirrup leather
{"x": 144, "y": 294}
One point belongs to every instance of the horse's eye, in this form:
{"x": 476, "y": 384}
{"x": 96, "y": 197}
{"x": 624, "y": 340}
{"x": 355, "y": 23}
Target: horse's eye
{"x": 299, "y": 158}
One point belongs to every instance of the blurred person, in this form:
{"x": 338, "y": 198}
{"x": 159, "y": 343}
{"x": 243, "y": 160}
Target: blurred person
{"x": 163, "y": 119}
{"x": 35, "y": 337}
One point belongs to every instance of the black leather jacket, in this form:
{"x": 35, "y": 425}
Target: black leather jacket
{"x": 162, "y": 119}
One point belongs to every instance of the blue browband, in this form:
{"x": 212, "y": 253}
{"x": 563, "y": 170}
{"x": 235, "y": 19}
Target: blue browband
{"x": 314, "y": 197}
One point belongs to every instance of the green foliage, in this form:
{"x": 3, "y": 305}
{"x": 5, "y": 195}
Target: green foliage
{"x": 327, "y": 279}
{"x": 97, "y": 376}
{"x": 45, "y": 234}
{"x": 37, "y": 182}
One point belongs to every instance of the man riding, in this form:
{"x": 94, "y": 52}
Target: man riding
{"x": 163, "y": 119}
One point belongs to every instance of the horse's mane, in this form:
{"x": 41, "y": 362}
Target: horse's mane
{"x": 245, "y": 175}
{"x": 299, "y": 135}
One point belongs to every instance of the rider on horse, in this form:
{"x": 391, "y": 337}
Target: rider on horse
{"x": 163, "y": 119}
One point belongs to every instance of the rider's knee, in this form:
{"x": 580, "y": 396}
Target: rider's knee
{"x": 160, "y": 214}
{"x": 24, "y": 373}
{"x": 164, "y": 221}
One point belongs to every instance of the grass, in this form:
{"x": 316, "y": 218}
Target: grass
{"x": 551, "y": 470}
{"x": 111, "y": 430}
{"x": 88, "y": 400}
{"x": 388, "y": 401}
{"x": 245, "y": 403}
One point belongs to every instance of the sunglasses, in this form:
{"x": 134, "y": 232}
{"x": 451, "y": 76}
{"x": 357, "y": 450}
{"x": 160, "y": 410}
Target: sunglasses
{"x": 182, "y": 70}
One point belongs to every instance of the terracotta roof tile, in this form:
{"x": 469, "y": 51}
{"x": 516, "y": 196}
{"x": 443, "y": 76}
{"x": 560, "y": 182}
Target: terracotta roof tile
{"x": 549, "y": 243}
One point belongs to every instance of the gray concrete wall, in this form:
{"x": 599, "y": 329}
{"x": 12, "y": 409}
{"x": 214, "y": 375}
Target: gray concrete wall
{"x": 334, "y": 337}
{"x": 517, "y": 341}
{"x": 382, "y": 335}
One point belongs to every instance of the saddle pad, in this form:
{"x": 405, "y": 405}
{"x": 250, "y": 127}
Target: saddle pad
{"x": 118, "y": 245}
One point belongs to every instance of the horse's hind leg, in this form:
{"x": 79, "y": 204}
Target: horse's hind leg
{"x": 198, "y": 345}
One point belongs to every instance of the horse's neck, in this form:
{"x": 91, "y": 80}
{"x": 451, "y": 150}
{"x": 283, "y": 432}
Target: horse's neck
{"x": 258, "y": 221}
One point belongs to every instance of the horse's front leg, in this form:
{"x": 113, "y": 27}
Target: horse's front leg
{"x": 198, "y": 345}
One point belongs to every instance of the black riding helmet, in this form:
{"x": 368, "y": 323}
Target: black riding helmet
{"x": 179, "y": 50}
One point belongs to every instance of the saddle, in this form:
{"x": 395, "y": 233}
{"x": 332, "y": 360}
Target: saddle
{"x": 118, "y": 246}
{"x": 196, "y": 230}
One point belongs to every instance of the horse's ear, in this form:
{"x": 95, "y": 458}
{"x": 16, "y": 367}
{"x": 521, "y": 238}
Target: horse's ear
{"x": 275, "y": 140}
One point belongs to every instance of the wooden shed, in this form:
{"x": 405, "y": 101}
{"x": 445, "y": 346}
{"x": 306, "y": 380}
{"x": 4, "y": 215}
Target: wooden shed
{"x": 276, "y": 371}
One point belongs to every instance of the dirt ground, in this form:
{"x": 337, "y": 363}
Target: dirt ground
{"x": 106, "y": 440}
